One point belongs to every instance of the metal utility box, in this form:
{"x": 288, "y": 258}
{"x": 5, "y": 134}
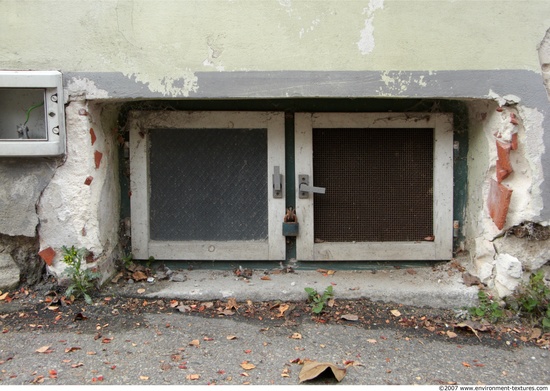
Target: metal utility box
{"x": 32, "y": 121}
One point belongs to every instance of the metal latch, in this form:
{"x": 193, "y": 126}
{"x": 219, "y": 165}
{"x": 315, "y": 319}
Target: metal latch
{"x": 304, "y": 187}
{"x": 277, "y": 183}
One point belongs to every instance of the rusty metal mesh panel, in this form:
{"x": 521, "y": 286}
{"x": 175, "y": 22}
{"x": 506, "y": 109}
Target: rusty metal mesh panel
{"x": 379, "y": 184}
{"x": 208, "y": 184}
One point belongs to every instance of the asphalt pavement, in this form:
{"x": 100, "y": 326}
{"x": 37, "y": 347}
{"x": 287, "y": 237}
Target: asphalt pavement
{"x": 181, "y": 348}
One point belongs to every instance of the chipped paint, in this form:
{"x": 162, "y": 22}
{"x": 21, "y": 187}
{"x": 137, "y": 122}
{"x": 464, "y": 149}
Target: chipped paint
{"x": 366, "y": 42}
{"x": 398, "y": 83}
{"x": 171, "y": 84}
{"x": 83, "y": 88}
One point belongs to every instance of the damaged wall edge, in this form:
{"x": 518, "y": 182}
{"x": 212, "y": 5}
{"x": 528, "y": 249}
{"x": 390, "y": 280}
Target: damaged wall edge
{"x": 462, "y": 84}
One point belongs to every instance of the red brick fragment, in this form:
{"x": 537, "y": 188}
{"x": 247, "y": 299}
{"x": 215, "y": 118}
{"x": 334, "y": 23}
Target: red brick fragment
{"x": 47, "y": 255}
{"x": 499, "y": 202}
{"x": 92, "y": 135}
{"x": 97, "y": 157}
{"x": 514, "y": 141}
{"x": 89, "y": 180}
{"x": 504, "y": 166}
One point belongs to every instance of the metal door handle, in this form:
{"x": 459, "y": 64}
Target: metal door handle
{"x": 277, "y": 183}
{"x": 304, "y": 187}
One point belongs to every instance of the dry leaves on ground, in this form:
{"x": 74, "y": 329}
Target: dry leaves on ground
{"x": 312, "y": 369}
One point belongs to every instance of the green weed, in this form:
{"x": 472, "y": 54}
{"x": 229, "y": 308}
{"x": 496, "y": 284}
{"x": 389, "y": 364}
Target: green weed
{"x": 317, "y": 300}
{"x": 532, "y": 300}
{"x": 82, "y": 279}
{"x": 487, "y": 309}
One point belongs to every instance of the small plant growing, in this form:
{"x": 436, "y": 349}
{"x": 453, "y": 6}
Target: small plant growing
{"x": 488, "y": 308}
{"x": 533, "y": 300}
{"x": 317, "y": 300}
{"x": 82, "y": 279}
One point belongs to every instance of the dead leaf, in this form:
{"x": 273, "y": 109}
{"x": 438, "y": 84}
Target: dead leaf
{"x": 312, "y": 369}
{"x": 350, "y": 317}
{"x": 184, "y": 308}
{"x": 470, "y": 280}
{"x": 451, "y": 334}
{"x": 72, "y": 349}
{"x": 141, "y": 290}
{"x": 395, "y": 313}
{"x": 79, "y": 316}
{"x": 52, "y": 373}
{"x": 296, "y": 336}
{"x": 247, "y": 365}
{"x": 466, "y": 364}
{"x": 373, "y": 341}
{"x": 352, "y": 363}
{"x": 195, "y": 342}
{"x": 231, "y": 337}
{"x": 231, "y": 304}
{"x": 430, "y": 238}
{"x": 470, "y": 326}
{"x": 77, "y": 365}
{"x": 285, "y": 373}
{"x": 44, "y": 349}
{"x": 3, "y": 297}
{"x": 139, "y": 276}
{"x": 106, "y": 340}
{"x": 265, "y": 278}
{"x": 411, "y": 271}
{"x": 193, "y": 376}
{"x": 144, "y": 378}
{"x": 536, "y": 333}
{"x": 282, "y": 309}
{"x": 115, "y": 279}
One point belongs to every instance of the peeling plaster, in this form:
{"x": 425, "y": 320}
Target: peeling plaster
{"x": 366, "y": 42}
{"x": 397, "y": 83}
{"x": 173, "y": 86}
{"x": 84, "y": 88}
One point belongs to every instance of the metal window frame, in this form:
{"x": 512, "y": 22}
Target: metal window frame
{"x": 55, "y": 142}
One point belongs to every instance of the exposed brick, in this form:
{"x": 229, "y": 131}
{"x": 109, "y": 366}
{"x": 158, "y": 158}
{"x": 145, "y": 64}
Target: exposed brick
{"x": 89, "y": 180}
{"x": 97, "y": 157}
{"x": 514, "y": 141}
{"x": 504, "y": 166}
{"x": 498, "y": 202}
{"x": 47, "y": 255}
{"x": 513, "y": 119}
{"x": 92, "y": 135}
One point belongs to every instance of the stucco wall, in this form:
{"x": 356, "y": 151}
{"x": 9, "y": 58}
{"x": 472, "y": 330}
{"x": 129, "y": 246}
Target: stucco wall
{"x": 491, "y": 53}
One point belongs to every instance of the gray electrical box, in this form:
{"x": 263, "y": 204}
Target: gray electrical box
{"x": 32, "y": 121}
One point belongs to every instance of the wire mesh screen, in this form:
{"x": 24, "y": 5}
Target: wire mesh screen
{"x": 379, "y": 184}
{"x": 208, "y": 184}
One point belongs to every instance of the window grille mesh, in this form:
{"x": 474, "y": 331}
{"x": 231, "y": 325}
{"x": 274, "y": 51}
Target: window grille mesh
{"x": 379, "y": 184}
{"x": 208, "y": 184}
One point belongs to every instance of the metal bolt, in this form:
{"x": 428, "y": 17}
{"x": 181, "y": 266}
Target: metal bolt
{"x": 54, "y": 98}
{"x": 56, "y": 130}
